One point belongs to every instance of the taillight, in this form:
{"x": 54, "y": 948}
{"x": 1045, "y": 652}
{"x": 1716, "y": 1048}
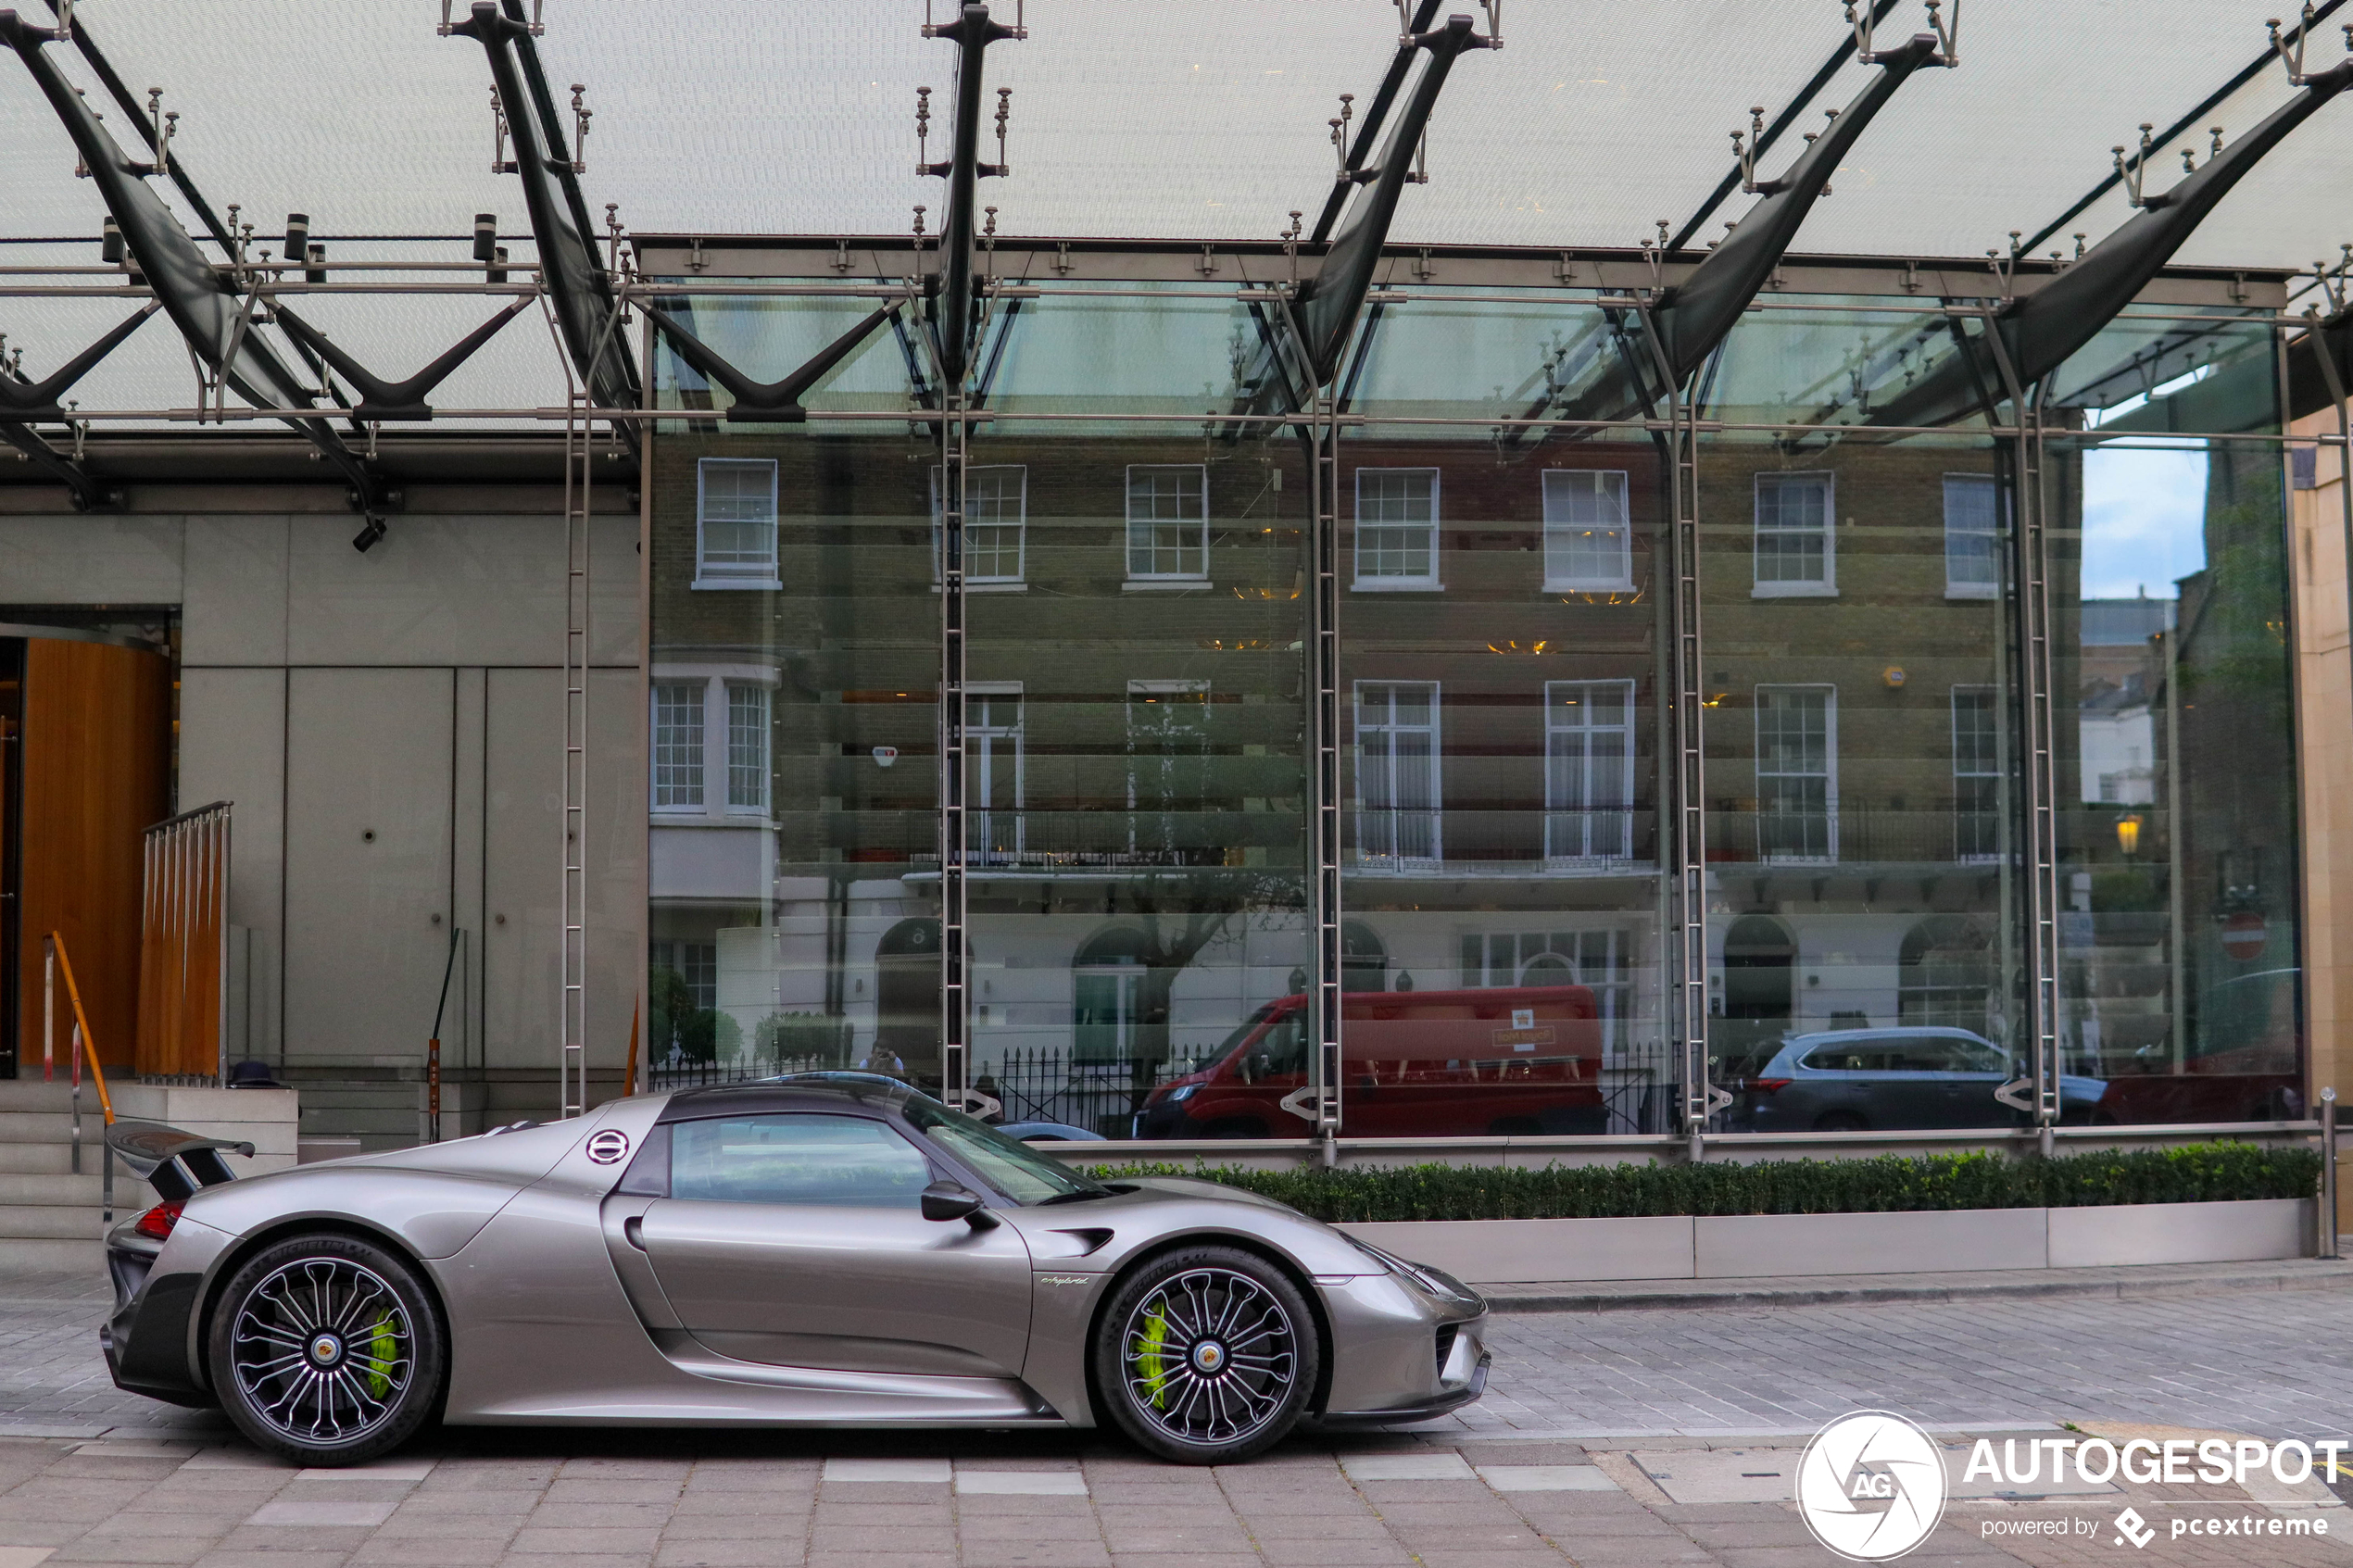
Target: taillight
{"x": 158, "y": 1222}
{"x": 1767, "y": 1085}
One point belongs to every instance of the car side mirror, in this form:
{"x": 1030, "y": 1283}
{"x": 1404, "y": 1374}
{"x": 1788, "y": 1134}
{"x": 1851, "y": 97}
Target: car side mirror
{"x": 945, "y": 1201}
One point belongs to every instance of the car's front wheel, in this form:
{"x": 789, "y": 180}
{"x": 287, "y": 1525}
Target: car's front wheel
{"x": 326, "y": 1349}
{"x": 1207, "y": 1356}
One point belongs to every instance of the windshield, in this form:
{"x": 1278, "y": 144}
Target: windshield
{"x": 1010, "y": 1166}
{"x": 1225, "y": 1046}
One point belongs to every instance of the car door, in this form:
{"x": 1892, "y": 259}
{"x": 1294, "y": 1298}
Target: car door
{"x": 798, "y": 1239}
{"x": 1975, "y": 1069}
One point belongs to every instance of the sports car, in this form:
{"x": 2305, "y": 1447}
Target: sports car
{"x": 829, "y": 1250}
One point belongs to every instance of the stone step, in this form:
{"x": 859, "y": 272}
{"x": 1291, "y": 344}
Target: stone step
{"x": 43, "y": 1222}
{"x": 23, "y": 1255}
{"x": 29, "y": 1094}
{"x": 47, "y": 1158}
{"x": 42, "y": 1126}
{"x": 86, "y": 1189}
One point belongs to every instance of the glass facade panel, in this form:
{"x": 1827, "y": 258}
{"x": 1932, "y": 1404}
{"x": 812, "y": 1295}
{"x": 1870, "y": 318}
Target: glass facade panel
{"x": 1138, "y": 742}
{"x": 794, "y": 887}
{"x": 1860, "y": 882}
{"x": 2179, "y": 932}
{"x": 1141, "y": 722}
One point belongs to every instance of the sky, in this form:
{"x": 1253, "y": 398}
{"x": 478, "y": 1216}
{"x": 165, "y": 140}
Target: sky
{"x": 2143, "y": 520}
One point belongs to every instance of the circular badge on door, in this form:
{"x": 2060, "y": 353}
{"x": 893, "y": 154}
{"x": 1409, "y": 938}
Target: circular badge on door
{"x": 608, "y": 1147}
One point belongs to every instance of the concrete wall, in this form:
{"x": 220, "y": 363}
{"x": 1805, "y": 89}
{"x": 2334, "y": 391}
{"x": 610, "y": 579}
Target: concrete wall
{"x": 389, "y": 727}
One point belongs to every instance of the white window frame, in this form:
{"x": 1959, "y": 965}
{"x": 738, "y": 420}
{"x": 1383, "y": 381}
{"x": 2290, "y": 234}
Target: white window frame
{"x": 1196, "y": 526}
{"x": 1829, "y": 775}
{"x": 716, "y": 685}
{"x": 994, "y": 581}
{"x": 1617, "y": 540}
{"x": 1391, "y": 818}
{"x": 1380, "y": 582}
{"x": 1995, "y": 770}
{"x": 1958, "y": 588}
{"x": 760, "y": 766}
{"x": 753, "y": 575}
{"x": 1826, "y": 587}
{"x": 1581, "y": 835}
{"x": 983, "y": 738}
{"x": 698, "y": 737}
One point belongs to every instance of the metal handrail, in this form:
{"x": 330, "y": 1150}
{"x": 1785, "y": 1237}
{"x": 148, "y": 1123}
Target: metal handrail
{"x": 85, "y": 1048}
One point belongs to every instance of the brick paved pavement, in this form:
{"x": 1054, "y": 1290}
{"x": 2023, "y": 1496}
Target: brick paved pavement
{"x": 1504, "y": 1486}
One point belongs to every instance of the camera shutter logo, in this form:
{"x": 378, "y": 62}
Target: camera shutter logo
{"x": 1871, "y": 1485}
{"x": 608, "y": 1147}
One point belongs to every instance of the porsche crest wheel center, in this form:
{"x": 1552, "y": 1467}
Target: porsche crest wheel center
{"x": 1209, "y": 1357}
{"x": 325, "y": 1350}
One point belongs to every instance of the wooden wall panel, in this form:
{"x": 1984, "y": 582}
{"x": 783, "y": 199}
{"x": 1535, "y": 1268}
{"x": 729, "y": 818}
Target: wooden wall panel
{"x": 96, "y": 761}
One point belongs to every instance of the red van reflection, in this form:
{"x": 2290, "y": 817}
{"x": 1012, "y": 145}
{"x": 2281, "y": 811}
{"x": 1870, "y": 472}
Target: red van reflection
{"x": 1416, "y": 1064}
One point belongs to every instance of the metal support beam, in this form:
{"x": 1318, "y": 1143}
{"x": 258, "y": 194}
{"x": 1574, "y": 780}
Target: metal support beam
{"x": 2039, "y": 330}
{"x": 1773, "y": 132}
{"x": 955, "y": 840}
{"x": 1323, "y": 653}
{"x": 83, "y": 491}
{"x": 1376, "y": 114}
{"x": 577, "y": 281}
{"x": 572, "y": 1056}
{"x": 211, "y": 312}
{"x": 1684, "y": 745}
{"x": 381, "y": 399}
{"x": 1326, "y": 307}
{"x": 2038, "y": 1092}
{"x": 1694, "y": 316}
{"x": 776, "y": 402}
{"x": 973, "y": 32}
{"x": 2188, "y": 123}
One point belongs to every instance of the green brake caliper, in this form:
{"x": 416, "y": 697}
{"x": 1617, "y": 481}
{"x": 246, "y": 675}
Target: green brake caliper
{"x": 382, "y": 1348}
{"x": 1154, "y": 1360}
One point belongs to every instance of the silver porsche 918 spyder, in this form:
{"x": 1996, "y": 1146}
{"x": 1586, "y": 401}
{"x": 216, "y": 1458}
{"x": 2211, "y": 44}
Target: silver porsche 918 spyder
{"x": 823, "y": 1250}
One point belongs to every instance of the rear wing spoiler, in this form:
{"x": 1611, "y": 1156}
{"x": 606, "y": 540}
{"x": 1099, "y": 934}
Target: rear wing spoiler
{"x": 173, "y": 1161}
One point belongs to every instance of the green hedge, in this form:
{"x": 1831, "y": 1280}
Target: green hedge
{"x": 2195, "y": 1172}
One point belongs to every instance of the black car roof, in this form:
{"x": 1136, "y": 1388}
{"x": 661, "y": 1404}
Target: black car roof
{"x": 843, "y": 1091}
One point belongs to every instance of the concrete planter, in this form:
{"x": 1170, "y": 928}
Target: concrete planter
{"x": 1766, "y": 1246}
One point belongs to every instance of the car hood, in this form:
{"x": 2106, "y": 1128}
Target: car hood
{"x": 1144, "y": 1210}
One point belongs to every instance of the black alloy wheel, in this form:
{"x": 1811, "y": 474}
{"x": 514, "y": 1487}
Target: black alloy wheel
{"x": 327, "y": 1350}
{"x": 1207, "y": 1356}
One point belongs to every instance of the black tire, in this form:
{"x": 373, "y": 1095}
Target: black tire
{"x": 1236, "y": 1127}
{"x": 1166, "y": 1371}
{"x": 1515, "y": 1127}
{"x": 326, "y": 1349}
{"x": 1840, "y": 1122}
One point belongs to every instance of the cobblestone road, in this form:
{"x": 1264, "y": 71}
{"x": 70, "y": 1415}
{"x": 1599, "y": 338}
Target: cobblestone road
{"x": 1613, "y": 1440}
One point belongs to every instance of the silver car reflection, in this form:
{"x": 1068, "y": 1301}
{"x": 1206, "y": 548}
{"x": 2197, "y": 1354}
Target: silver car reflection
{"x": 1905, "y": 1077}
{"x": 825, "y": 1251}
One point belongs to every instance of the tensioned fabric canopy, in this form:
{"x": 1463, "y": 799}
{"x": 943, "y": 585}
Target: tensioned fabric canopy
{"x": 744, "y": 116}
{"x": 1185, "y": 120}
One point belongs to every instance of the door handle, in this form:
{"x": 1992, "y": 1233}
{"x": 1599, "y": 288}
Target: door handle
{"x": 633, "y": 1230}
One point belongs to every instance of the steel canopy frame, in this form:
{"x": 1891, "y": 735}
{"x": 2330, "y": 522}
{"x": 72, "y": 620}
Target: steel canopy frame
{"x": 577, "y": 283}
{"x": 2040, "y": 331}
{"x": 214, "y": 314}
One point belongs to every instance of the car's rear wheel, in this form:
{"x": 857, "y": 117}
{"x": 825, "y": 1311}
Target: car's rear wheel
{"x": 1207, "y": 1356}
{"x": 327, "y": 1349}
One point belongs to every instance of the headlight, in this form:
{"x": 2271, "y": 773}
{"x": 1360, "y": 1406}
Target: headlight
{"x": 1431, "y": 1282}
{"x": 1182, "y": 1093}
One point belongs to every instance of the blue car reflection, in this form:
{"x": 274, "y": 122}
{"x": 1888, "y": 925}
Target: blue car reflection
{"x": 1853, "y": 1080}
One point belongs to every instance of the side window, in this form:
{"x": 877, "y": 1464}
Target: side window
{"x": 842, "y": 1161}
{"x": 1285, "y": 1046}
{"x": 1847, "y": 1059}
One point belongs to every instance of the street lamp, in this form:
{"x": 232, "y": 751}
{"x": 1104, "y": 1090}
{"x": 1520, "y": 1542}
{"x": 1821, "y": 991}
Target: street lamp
{"x": 2128, "y": 835}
